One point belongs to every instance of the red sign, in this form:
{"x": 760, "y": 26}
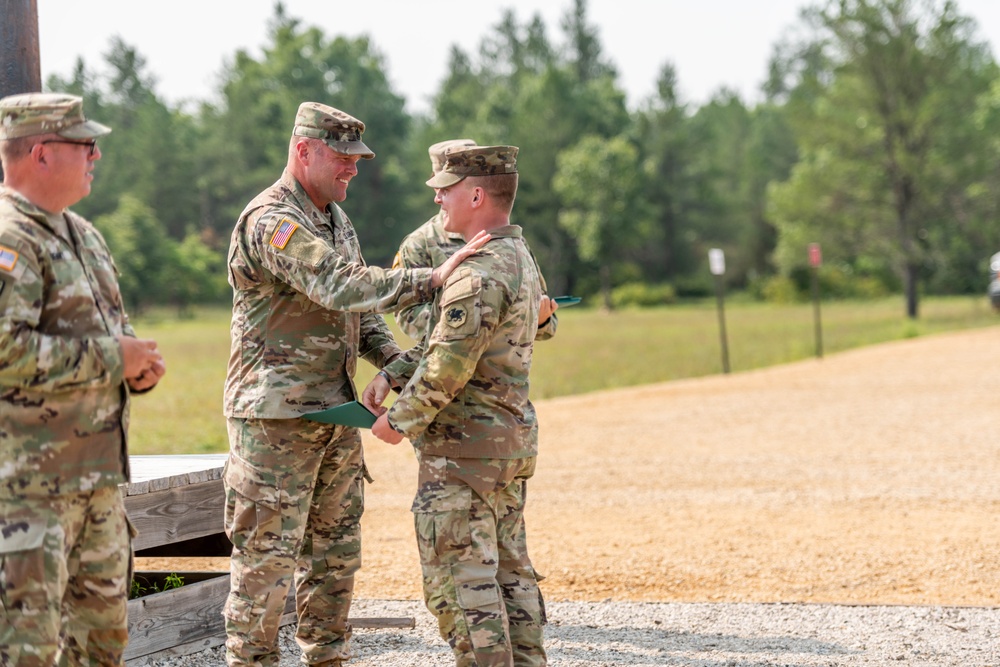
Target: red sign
{"x": 815, "y": 256}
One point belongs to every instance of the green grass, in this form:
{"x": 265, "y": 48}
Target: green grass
{"x": 592, "y": 351}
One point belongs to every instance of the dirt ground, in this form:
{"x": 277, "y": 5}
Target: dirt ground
{"x": 866, "y": 477}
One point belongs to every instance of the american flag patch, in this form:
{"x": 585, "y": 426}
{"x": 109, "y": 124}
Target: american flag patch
{"x": 283, "y": 233}
{"x": 8, "y": 258}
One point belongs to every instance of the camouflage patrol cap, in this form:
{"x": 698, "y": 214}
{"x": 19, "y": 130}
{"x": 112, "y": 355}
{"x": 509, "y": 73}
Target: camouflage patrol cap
{"x": 338, "y": 130}
{"x": 438, "y": 150}
{"x": 28, "y": 114}
{"x": 461, "y": 163}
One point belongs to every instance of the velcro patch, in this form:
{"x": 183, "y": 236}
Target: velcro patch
{"x": 456, "y": 315}
{"x": 8, "y": 259}
{"x": 284, "y": 232}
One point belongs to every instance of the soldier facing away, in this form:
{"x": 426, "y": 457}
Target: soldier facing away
{"x": 465, "y": 408}
{"x": 69, "y": 360}
{"x": 303, "y": 312}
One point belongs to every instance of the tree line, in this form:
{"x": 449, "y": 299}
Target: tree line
{"x": 878, "y": 137}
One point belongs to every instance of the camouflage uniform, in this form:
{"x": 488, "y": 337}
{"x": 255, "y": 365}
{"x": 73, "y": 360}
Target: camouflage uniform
{"x": 294, "y": 491}
{"x": 430, "y": 245}
{"x": 64, "y": 405}
{"x": 465, "y": 408}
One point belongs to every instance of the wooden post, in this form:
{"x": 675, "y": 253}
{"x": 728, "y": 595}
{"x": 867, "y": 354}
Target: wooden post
{"x": 20, "y": 63}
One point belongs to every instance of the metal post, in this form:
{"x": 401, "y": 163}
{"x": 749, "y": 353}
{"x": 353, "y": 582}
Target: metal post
{"x": 717, "y": 265}
{"x": 722, "y": 323}
{"x": 815, "y": 259}
{"x": 816, "y": 315}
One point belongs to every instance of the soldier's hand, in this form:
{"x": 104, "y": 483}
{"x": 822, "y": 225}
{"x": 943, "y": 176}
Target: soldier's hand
{"x": 138, "y": 355}
{"x": 148, "y": 378}
{"x": 545, "y": 310}
{"x": 384, "y": 432}
{"x": 441, "y": 273}
{"x": 374, "y": 394}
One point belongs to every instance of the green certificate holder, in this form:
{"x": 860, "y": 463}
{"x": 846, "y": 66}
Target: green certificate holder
{"x": 349, "y": 414}
{"x": 564, "y": 301}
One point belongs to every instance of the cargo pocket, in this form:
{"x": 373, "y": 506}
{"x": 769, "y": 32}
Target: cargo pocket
{"x": 483, "y": 609}
{"x": 253, "y": 501}
{"x": 26, "y": 575}
{"x": 441, "y": 519}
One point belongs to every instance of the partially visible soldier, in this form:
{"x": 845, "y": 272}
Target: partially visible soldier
{"x": 68, "y": 361}
{"x": 465, "y": 408}
{"x": 303, "y": 304}
{"x": 430, "y": 245}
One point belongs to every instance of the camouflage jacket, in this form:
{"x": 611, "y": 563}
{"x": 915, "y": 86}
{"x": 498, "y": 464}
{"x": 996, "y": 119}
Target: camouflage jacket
{"x": 302, "y": 306}
{"x": 430, "y": 245}
{"x": 64, "y": 403}
{"x": 467, "y": 396}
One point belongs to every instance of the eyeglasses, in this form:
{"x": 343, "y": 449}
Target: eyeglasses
{"x": 91, "y": 144}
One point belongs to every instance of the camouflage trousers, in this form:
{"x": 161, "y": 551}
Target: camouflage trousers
{"x": 64, "y": 576}
{"x": 478, "y": 579}
{"x": 294, "y": 498}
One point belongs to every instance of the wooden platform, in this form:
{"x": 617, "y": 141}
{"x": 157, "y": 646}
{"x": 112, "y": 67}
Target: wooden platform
{"x": 177, "y": 504}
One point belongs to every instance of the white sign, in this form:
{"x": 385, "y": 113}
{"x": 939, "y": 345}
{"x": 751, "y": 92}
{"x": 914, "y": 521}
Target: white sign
{"x": 716, "y": 261}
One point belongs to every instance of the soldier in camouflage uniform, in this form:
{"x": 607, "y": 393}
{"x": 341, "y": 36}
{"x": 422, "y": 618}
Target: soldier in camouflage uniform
{"x": 68, "y": 361}
{"x": 303, "y": 311}
{"x": 429, "y": 245}
{"x": 465, "y": 408}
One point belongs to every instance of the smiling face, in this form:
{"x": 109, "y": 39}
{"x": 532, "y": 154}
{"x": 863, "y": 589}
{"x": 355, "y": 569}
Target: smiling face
{"x": 456, "y": 204}
{"x": 327, "y": 173}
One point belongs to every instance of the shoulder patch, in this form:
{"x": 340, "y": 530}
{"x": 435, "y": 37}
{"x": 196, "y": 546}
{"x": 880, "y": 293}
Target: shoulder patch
{"x": 284, "y": 232}
{"x": 8, "y": 259}
{"x": 456, "y": 315}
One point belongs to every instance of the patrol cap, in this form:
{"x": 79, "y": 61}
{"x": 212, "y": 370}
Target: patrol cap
{"x": 28, "y": 114}
{"x": 460, "y": 163}
{"x": 338, "y": 130}
{"x": 438, "y": 150}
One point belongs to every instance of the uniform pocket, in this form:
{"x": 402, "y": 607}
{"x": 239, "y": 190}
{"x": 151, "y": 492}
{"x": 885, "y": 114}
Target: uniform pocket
{"x": 253, "y": 501}
{"x": 441, "y": 518}
{"x": 29, "y": 577}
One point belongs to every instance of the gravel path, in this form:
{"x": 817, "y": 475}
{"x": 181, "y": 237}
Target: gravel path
{"x": 582, "y": 634}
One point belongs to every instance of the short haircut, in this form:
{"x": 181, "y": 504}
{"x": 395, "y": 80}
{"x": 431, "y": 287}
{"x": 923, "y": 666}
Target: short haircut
{"x": 501, "y": 188}
{"x": 12, "y": 150}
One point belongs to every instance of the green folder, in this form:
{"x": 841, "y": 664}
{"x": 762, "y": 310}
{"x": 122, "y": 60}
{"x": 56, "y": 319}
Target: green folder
{"x": 348, "y": 414}
{"x": 564, "y": 301}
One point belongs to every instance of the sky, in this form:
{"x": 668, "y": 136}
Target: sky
{"x": 712, "y": 44}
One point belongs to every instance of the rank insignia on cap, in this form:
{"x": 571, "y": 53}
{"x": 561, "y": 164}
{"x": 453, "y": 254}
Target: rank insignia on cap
{"x": 456, "y": 316}
{"x": 284, "y": 232}
{"x": 8, "y": 258}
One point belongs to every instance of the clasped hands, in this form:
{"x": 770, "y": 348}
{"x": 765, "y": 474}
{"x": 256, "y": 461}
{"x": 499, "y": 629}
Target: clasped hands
{"x": 143, "y": 362}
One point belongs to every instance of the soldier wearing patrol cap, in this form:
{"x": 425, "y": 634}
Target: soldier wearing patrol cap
{"x": 304, "y": 309}
{"x": 429, "y": 245}
{"x": 465, "y": 408}
{"x": 68, "y": 361}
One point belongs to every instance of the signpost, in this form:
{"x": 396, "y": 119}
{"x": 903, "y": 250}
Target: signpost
{"x": 717, "y": 265}
{"x": 815, "y": 259}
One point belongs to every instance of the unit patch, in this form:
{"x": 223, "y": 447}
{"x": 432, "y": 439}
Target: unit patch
{"x": 284, "y": 232}
{"x": 456, "y": 315}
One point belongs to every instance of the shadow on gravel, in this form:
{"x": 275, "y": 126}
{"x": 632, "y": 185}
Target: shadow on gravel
{"x": 622, "y": 646}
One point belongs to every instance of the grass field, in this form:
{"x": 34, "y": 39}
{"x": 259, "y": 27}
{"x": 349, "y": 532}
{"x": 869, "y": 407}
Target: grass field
{"x": 593, "y": 350}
